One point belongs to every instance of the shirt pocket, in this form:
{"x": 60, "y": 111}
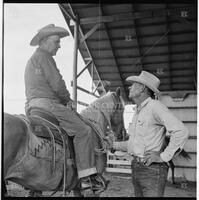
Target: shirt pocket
{"x": 38, "y": 71}
{"x": 141, "y": 127}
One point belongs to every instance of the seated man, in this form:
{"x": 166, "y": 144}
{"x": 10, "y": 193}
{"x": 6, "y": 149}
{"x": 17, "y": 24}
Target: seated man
{"x": 45, "y": 88}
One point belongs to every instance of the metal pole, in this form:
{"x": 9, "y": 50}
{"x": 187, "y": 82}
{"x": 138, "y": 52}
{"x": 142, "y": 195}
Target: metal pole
{"x": 75, "y": 56}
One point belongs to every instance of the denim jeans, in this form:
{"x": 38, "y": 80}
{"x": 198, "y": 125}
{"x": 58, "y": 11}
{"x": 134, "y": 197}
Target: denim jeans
{"x": 149, "y": 181}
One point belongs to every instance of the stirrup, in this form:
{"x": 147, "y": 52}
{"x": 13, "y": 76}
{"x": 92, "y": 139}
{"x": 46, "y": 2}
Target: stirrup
{"x": 101, "y": 180}
{"x": 86, "y": 187}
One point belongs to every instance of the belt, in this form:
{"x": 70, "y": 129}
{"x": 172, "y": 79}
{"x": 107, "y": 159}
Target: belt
{"x": 138, "y": 159}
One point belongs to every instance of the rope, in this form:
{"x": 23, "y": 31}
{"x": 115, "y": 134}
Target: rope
{"x": 64, "y": 146}
{"x": 54, "y": 149}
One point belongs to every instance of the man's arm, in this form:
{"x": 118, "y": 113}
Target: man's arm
{"x": 55, "y": 79}
{"x": 175, "y": 128}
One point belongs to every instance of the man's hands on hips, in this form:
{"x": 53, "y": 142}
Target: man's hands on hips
{"x": 152, "y": 156}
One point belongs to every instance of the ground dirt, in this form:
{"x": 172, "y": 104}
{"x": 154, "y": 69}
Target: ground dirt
{"x": 120, "y": 186}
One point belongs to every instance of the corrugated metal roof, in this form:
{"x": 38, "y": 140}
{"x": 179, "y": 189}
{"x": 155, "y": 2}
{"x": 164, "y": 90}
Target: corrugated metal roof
{"x": 159, "y": 38}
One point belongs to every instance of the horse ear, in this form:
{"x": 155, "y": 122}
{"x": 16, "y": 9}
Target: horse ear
{"x": 118, "y": 92}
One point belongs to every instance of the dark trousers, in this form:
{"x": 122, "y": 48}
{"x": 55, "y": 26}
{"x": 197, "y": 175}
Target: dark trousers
{"x": 149, "y": 181}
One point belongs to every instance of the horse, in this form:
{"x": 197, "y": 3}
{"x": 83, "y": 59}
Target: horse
{"x": 27, "y": 157}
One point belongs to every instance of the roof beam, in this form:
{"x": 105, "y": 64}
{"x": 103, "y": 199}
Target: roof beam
{"x": 119, "y": 27}
{"x": 85, "y": 5}
{"x": 90, "y": 32}
{"x": 174, "y": 12}
{"x": 131, "y": 70}
{"x": 165, "y": 87}
{"x": 87, "y": 65}
{"x": 184, "y": 71}
{"x": 183, "y": 78}
{"x": 162, "y": 62}
{"x": 146, "y": 35}
{"x": 144, "y": 46}
{"x": 111, "y": 47}
{"x": 150, "y": 63}
{"x": 149, "y": 55}
{"x": 65, "y": 11}
{"x": 86, "y": 91}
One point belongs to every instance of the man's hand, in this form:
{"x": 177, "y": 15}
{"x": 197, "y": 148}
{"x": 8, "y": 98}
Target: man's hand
{"x": 71, "y": 105}
{"x": 152, "y": 156}
{"x": 109, "y": 141}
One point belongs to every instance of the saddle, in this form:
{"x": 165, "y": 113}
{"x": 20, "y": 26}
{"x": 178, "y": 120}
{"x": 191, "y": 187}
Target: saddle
{"x": 45, "y": 125}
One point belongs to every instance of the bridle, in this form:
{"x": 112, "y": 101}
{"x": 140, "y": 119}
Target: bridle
{"x": 117, "y": 102}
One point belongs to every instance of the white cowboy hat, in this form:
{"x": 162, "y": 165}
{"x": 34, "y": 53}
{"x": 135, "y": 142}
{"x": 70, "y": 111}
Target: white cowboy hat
{"x": 48, "y": 30}
{"x": 148, "y": 79}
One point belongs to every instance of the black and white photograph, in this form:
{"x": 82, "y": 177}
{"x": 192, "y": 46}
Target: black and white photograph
{"x": 99, "y": 99}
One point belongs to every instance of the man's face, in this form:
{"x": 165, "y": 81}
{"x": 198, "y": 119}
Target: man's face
{"x": 53, "y": 43}
{"x": 135, "y": 90}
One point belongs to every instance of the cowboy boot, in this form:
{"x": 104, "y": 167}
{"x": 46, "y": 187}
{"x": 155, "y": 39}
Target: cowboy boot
{"x": 94, "y": 182}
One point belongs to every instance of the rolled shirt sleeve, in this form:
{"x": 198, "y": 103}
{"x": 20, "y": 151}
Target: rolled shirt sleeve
{"x": 175, "y": 128}
{"x": 55, "y": 79}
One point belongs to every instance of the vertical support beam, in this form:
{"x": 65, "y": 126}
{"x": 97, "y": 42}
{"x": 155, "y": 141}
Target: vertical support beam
{"x": 75, "y": 58}
{"x": 140, "y": 59}
{"x": 81, "y": 33}
{"x": 169, "y": 50}
{"x": 92, "y": 74}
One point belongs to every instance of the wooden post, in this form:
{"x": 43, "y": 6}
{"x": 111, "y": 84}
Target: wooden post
{"x": 75, "y": 58}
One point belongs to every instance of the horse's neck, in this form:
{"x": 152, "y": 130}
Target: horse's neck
{"x": 107, "y": 118}
{"x": 97, "y": 117}
{"x": 103, "y": 123}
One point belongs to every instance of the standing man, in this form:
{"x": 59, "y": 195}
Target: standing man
{"x": 150, "y": 124}
{"x": 45, "y": 88}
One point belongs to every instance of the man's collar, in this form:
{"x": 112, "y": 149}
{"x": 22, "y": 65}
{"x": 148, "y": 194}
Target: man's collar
{"x": 43, "y": 50}
{"x": 143, "y": 104}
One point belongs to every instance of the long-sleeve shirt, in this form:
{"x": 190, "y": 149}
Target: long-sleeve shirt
{"x": 43, "y": 79}
{"x": 151, "y": 122}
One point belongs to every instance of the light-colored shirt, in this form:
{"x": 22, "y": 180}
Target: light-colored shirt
{"x": 151, "y": 122}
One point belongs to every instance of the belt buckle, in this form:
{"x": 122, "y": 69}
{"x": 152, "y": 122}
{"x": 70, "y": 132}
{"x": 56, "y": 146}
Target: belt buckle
{"x": 140, "y": 160}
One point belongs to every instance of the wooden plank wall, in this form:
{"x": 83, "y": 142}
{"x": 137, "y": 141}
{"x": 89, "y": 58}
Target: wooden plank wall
{"x": 185, "y": 110}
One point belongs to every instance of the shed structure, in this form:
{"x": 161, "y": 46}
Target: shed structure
{"x": 120, "y": 40}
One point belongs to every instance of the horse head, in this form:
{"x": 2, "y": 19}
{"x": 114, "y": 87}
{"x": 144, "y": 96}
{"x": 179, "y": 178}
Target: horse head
{"x": 107, "y": 112}
{"x": 117, "y": 119}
